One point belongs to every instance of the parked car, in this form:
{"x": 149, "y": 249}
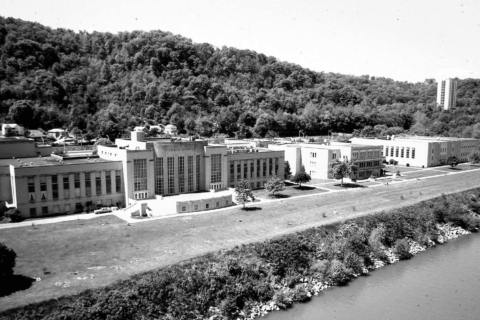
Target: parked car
{"x": 65, "y": 141}
{"x": 102, "y": 210}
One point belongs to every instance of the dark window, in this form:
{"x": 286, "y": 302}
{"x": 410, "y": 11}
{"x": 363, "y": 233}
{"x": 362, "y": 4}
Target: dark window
{"x": 66, "y": 183}
{"x": 44, "y": 211}
{"x": 33, "y": 212}
{"x": 118, "y": 181}
{"x": 108, "y": 181}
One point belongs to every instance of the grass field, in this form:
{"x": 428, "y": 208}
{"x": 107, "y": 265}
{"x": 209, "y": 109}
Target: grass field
{"x": 72, "y": 256}
{"x": 291, "y": 191}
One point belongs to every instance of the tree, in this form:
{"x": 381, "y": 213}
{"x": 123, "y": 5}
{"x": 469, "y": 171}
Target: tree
{"x": 453, "y": 161}
{"x": 7, "y": 261}
{"x": 271, "y": 135}
{"x": 101, "y": 142}
{"x": 274, "y": 185}
{"x": 21, "y": 113}
{"x": 343, "y": 169}
{"x": 288, "y": 170}
{"x": 243, "y": 193}
{"x": 474, "y": 157}
{"x": 301, "y": 177}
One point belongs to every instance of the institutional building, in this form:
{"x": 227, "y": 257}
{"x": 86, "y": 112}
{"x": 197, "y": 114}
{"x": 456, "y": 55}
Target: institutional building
{"x": 133, "y": 169}
{"x": 317, "y": 158}
{"x": 447, "y": 94}
{"x": 422, "y": 151}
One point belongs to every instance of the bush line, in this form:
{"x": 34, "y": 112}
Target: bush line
{"x": 251, "y": 280}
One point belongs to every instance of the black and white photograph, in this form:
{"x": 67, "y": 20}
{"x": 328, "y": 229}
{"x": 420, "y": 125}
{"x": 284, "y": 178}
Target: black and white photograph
{"x": 239, "y": 160}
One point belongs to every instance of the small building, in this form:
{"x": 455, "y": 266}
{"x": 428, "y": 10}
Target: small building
{"x": 171, "y": 130}
{"x": 56, "y": 133}
{"x": 13, "y": 129}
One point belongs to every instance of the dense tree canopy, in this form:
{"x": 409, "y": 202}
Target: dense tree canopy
{"x": 104, "y": 83}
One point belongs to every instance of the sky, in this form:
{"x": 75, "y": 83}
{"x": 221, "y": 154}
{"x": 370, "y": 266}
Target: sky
{"x": 403, "y": 40}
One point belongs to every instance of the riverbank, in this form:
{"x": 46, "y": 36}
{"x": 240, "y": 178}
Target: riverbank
{"x": 240, "y": 283}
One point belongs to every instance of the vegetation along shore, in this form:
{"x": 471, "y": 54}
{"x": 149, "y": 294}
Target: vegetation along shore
{"x": 251, "y": 280}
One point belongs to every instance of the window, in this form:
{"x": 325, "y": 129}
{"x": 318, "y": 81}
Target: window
{"x": 408, "y": 153}
{"x": 43, "y": 183}
{"x": 76, "y": 179}
{"x": 232, "y": 171}
{"x": 139, "y": 174}
{"x": 54, "y": 187}
{"x": 197, "y": 167}
{"x": 264, "y": 168}
{"x": 313, "y": 154}
{"x": 402, "y": 153}
{"x": 181, "y": 174}
{"x": 78, "y": 207}
{"x": 413, "y": 153}
{"x": 66, "y": 183}
{"x": 218, "y": 204}
{"x": 195, "y": 207}
{"x": 108, "y": 181}
{"x": 386, "y": 151}
{"x": 118, "y": 181}
{"x": 245, "y": 170}
{"x": 258, "y": 184}
{"x": 270, "y": 166}
{"x": 258, "y": 168}
{"x": 276, "y": 165}
{"x": 98, "y": 183}
{"x": 171, "y": 173}
{"x": 239, "y": 173}
{"x": 31, "y": 184}
{"x": 190, "y": 173}
{"x": 88, "y": 184}
{"x": 391, "y": 151}
{"x": 207, "y": 206}
{"x": 158, "y": 175}
{"x": 252, "y": 167}
{"x": 334, "y": 155}
{"x": 184, "y": 208}
{"x": 216, "y": 168}
{"x": 44, "y": 211}
{"x": 396, "y": 152}
{"x": 33, "y": 212}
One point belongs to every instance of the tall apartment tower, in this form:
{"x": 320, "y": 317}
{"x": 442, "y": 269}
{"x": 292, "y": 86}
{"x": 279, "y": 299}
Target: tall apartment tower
{"x": 447, "y": 94}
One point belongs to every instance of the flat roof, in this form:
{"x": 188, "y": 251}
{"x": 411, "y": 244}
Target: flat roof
{"x": 48, "y": 161}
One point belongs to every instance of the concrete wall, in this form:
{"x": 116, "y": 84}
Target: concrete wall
{"x": 201, "y": 204}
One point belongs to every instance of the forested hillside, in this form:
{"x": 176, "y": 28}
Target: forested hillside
{"x": 103, "y": 84}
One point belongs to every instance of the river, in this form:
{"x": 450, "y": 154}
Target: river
{"x": 441, "y": 283}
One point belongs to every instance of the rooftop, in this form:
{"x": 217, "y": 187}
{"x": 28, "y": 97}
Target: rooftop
{"x": 47, "y": 161}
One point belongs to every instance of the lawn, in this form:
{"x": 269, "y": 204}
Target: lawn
{"x": 291, "y": 191}
{"x": 421, "y": 174}
{"x": 338, "y": 186}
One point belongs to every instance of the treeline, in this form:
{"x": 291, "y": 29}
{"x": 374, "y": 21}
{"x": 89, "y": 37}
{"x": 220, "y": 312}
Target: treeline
{"x": 230, "y": 284}
{"x": 103, "y": 84}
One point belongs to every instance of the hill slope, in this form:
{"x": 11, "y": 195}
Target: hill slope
{"x": 104, "y": 83}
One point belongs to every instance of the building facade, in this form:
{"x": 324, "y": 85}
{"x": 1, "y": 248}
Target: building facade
{"x": 317, "y": 158}
{"x": 423, "y": 151}
{"x": 447, "y": 94}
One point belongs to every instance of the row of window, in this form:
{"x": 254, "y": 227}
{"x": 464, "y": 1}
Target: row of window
{"x": 67, "y": 192}
{"x": 159, "y": 173}
{"x": 369, "y": 154}
{"x": 261, "y": 169}
{"x": 402, "y": 152}
{"x": 367, "y": 164}
{"x": 196, "y": 207}
{"x": 69, "y": 208}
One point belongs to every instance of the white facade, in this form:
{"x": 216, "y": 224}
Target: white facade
{"x": 171, "y": 129}
{"x": 423, "y": 151}
{"x": 447, "y": 94}
{"x": 14, "y": 129}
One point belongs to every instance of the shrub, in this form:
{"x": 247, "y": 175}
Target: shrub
{"x": 7, "y": 261}
{"x": 283, "y": 298}
{"x": 352, "y": 261}
{"x": 408, "y": 164}
{"x": 338, "y": 273}
{"x": 300, "y": 292}
{"x": 13, "y": 215}
{"x": 402, "y": 249}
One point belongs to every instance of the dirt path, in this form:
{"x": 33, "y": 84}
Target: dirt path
{"x": 69, "y": 249}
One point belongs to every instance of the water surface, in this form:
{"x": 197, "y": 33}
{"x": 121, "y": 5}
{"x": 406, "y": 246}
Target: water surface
{"x": 441, "y": 283}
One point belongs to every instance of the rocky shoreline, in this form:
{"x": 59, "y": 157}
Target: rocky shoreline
{"x": 313, "y": 286}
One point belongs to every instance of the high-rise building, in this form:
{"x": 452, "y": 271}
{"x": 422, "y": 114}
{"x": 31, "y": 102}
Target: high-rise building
{"x": 447, "y": 93}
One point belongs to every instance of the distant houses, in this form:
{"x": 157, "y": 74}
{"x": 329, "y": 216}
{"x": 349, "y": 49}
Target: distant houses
{"x": 12, "y": 129}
